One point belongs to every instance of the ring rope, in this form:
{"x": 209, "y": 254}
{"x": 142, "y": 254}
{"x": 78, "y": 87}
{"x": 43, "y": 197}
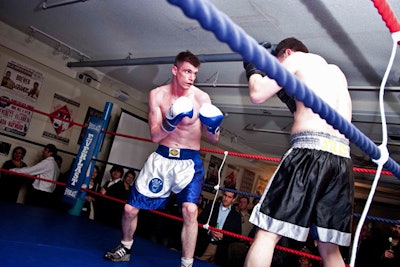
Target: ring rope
{"x": 216, "y": 187}
{"x": 244, "y": 238}
{"x": 209, "y": 150}
{"x": 210, "y": 18}
{"x": 384, "y": 153}
{"x": 387, "y": 15}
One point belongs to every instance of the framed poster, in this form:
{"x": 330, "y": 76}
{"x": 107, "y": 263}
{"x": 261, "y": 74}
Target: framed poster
{"x": 212, "y": 172}
{"x": 90, "y": 112}
{"x": 262, "y": 182}
{"x": 231, "y": 176}
{"x": 247, "y": 180}
{"x": 58, "y": 125}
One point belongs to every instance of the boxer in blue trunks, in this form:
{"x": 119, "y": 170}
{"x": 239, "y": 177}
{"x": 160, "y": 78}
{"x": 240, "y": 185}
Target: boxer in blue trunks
{"x": 312, "y": 189}
{"x": 178, "y": 113}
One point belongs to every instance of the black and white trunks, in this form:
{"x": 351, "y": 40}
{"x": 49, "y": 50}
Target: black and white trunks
{"x": 312, "y": 189}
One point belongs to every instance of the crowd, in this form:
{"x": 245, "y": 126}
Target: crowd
{"x": 25, "y": 189}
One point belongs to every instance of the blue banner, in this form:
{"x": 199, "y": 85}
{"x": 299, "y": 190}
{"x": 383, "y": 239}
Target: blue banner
{"x": 80, "y": 171}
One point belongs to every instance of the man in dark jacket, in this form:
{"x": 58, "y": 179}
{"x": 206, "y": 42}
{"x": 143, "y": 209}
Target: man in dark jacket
{"x": 213, "y": 246}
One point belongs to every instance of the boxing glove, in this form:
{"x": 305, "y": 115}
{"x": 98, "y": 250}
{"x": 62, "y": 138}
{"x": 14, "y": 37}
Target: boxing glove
{"x": 182, "y": 107}
{"x": 211, "y": 117}
{"x": 287, "y": 99}
{"x": 250, "y": 68}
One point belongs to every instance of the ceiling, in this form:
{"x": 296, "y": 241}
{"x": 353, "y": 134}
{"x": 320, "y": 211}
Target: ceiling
{"x": 134, "y": 41}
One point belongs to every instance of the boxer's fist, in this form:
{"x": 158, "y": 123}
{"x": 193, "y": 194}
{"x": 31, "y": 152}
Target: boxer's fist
{"x": 211, "y": 117}
{"x": 287, "y": 99}
{"x": 182, "y": 107}
{"x": 250, "y": 68}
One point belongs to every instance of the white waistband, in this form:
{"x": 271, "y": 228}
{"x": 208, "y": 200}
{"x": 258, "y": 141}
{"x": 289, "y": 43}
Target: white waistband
{"x": 321, "y": 141}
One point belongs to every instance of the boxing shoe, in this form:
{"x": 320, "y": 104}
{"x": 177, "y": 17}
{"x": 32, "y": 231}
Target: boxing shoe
{"x": 120, "y": 253}
{"x": 182, "y": 107}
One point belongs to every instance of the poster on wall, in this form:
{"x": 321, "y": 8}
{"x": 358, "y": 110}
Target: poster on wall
{"x": 212, "y": 173}
{"x": 247, "y": 180}
{"x": 231, "y": 176}
{"x": 15, "y": 116}
{"x": 90, "y": 112}
{"x": 22, "y": 82}
{"x": 19, "y": 90}
{"x": 56, "y": 127}
{"x": 262, "y": 182}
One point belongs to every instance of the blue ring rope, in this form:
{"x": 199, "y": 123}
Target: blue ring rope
{"x": 228, "y": 32}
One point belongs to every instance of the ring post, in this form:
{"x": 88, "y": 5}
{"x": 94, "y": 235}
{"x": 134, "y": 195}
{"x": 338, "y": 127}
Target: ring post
{"x": 83, "y": 166}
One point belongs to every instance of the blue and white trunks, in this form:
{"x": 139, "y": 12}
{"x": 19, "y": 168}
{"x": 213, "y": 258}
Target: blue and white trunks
{"x": 311, "y": 190}
{"x": 167, "y": 170}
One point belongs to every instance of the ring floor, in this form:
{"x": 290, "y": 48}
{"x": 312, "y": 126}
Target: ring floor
{"x": 33, "y": 236}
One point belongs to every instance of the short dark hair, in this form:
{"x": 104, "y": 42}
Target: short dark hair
{"x": 117, "y": 168}
{"x": 188, "y": 57}
{"x": 52, "y": 148}
{"x": 245, "y": 197}
{"x": 20, "y": 148}
{"x": 289, "y": 43}
{"x": 131, "y": 172}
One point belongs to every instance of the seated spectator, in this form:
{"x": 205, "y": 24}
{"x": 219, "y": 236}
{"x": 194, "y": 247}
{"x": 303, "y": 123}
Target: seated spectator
{"x": 88, "y": 207}
{"x": 367, "y": 252}
{"x": 389, "y": 248}
{"x": 10, "y": 184}
{"x": 243, "y": 209}
{"x": 110, "y": 211}
{"x": 213, "y": 246}
{"x": 40, "y": 193}
{"x": 305, "y": 261}
{"x": 129, "y": 178}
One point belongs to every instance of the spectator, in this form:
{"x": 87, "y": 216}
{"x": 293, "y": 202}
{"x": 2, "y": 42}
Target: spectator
{"x": 88, "y": 207}
{"x": 40, "y": 193}
{"x": 129, "y": 178}
{"x": 213, "y": 246}
{"x": 10, "y": 184}
{"x": 306, "y": 261}
{"x": 110, "y": 211}
{"x": 243, "y": 209}
{"x": 389, "y": 248}
{"x": 239, "y": 248}
{"x": 201, "y": 204}
{"x": 367, "y": 252}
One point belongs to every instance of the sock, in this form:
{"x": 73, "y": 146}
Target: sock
{"x": 127, "y": 244}
{"x": 186, "y": 262}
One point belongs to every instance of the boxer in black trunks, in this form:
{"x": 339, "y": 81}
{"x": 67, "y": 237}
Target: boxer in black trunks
{"x": 312, "y": 189}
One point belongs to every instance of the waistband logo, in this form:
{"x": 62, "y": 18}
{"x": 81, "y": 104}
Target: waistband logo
{"x": 174, "y": 152}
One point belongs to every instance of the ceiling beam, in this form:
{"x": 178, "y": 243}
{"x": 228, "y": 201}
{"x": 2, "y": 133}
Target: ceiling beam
{"x": 231, "y": 57}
